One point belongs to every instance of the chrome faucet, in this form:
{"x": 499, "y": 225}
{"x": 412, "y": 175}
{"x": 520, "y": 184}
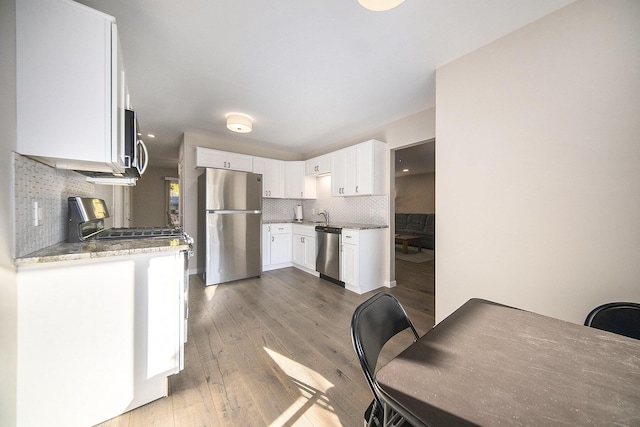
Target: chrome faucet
{"x": 325, "y": 214}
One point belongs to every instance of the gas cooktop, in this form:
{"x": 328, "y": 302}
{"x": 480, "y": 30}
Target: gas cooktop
{"x": 140, "y": 232}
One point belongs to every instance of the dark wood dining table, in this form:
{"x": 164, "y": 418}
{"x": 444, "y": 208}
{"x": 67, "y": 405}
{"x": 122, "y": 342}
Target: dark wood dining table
{"x": 489, "y": 364}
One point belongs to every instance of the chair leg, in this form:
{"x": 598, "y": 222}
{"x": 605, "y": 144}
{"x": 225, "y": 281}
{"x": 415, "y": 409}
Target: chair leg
{"x": 372, "y": 420}
{"x": 391, "y": 417}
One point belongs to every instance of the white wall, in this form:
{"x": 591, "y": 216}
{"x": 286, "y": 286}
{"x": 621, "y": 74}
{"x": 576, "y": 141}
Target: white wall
{"x": 8, "y": 290}
{"x": 538, "y": 165}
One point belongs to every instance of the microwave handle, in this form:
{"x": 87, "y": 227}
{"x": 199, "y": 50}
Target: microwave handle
{"x": 145, "y": 157}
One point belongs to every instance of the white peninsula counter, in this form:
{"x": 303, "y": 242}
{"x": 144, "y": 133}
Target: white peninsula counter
{"x": 101, "y": 325}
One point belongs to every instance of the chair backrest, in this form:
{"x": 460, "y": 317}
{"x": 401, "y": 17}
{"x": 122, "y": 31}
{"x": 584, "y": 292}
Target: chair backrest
{"x": 618, "y": 317}
{"x": 375, "y": 322}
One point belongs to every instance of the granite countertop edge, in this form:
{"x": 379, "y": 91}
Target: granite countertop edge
{"x": 349, "y": 225}
{"x": 101, "y": 249}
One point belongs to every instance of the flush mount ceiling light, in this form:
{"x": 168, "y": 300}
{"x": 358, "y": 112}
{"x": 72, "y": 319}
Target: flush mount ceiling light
{"x": 379, "y": 5}
{"x": 238, "y": 122}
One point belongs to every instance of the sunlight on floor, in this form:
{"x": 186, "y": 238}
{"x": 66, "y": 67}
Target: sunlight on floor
{"x": 313, "y": 405}
{"x": 210, "y": 291}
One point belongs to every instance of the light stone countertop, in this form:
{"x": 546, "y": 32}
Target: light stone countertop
{"x": 101, "y": 249}
{"x": 350, "y": 225}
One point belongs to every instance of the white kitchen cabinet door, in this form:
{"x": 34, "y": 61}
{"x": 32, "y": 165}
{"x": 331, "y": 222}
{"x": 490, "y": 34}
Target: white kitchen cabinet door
{"x": 105, "y": 332}
{"x": 239, "y": 162}
{"x": 217, "y": 159}
{"x": 318, "y": 165}
{"x": 209, "y": 158}
{"x": 343, "y": 172}
{"x": 298, "y": 249}
{"x": 304, "y": 252}
{"x": 279, "y": 239}
{"x": 310, "y": 250}
{"x": 350, "y": 264}
{"x": 304, "y": 248}
{"x": 371, "y": 164}
{"x": 281, "y": 248}
{"x": 359, "y": 170}
{"x": 266, "y": 246}
{"x": 297, "y": 184}
{"x": 70, "y": 102}
{"x": 273, "y": 172}
{"x": 362, "y": 259}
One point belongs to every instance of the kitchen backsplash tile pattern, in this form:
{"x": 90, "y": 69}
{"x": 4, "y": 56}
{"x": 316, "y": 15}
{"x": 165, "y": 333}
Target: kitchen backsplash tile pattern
{"x": 50, "y": 188}
{"x": 362, "y": 210}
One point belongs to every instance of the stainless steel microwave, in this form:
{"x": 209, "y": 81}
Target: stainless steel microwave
{"x": 136, "y": 156}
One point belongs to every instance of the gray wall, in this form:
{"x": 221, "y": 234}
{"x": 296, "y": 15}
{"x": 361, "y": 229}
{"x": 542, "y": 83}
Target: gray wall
{"x": 538, "y": 183}
{"x": 149, "y": 199}
{"x": 416, "y": 193}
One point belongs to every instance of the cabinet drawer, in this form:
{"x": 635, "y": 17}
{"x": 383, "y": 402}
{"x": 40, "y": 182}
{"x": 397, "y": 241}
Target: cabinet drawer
{"x": 350, "y": 237}
{"x": 281, "y": 228}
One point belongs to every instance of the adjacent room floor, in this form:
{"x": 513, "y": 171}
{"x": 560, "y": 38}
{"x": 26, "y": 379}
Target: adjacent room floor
{"x": 276, "y": 350}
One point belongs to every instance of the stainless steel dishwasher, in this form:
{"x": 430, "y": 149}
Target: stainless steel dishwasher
{"x": 328, "y": 256}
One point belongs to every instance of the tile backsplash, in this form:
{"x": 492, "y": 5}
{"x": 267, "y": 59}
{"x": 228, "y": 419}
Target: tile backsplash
{"x": 362, "y": 210}
{"x": 50, "y": 188}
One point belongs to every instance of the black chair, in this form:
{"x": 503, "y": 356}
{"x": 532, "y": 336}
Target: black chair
{"x": 618, "y": 317}
{"x": 375, "y": 322}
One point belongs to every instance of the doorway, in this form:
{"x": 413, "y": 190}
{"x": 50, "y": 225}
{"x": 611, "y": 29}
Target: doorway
{"x": 413, "y": 216}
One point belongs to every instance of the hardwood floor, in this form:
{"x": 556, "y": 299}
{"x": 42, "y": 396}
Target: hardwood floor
{"x": 276, "y": 351}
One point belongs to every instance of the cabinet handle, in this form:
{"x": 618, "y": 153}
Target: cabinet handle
{"x": 356, "y": 188}
{"x": 272, "y": 239}
{"x": 301, "y": 194}
{"x": 229, "y": 165}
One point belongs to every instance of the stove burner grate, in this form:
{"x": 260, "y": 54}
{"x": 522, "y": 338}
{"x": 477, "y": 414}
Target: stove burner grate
{"x": 141, "y": 232}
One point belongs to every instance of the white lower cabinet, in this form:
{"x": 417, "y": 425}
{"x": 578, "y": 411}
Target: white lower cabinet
{"x": 97, "y": 338}
{"x": 362, "y": 259}
{"x": 276, "y": 246}
{"x": 304, "y": 248}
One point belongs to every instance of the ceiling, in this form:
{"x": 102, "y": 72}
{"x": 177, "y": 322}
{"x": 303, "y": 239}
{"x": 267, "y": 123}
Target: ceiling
{"x": 310, "y": 73}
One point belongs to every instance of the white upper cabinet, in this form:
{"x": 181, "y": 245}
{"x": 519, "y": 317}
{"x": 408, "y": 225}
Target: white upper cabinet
{"x": 318, "y": 165}
{"x": 359, "y": 170}
{"x": 272, "y": 176}
{"x": 210, "y": 158}
{"x": 70, "y": 86}
{"x": 297, "y": 184}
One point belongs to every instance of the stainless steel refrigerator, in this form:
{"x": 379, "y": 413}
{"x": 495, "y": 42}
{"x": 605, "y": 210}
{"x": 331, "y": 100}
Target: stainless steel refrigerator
{"x": 229, "y": 225}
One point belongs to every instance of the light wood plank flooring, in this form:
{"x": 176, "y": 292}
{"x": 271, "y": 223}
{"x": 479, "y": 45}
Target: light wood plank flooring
{"x": 276, "y": 351}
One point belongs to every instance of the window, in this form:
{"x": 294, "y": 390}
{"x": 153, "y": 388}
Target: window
{"x": 173, "y": 201}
